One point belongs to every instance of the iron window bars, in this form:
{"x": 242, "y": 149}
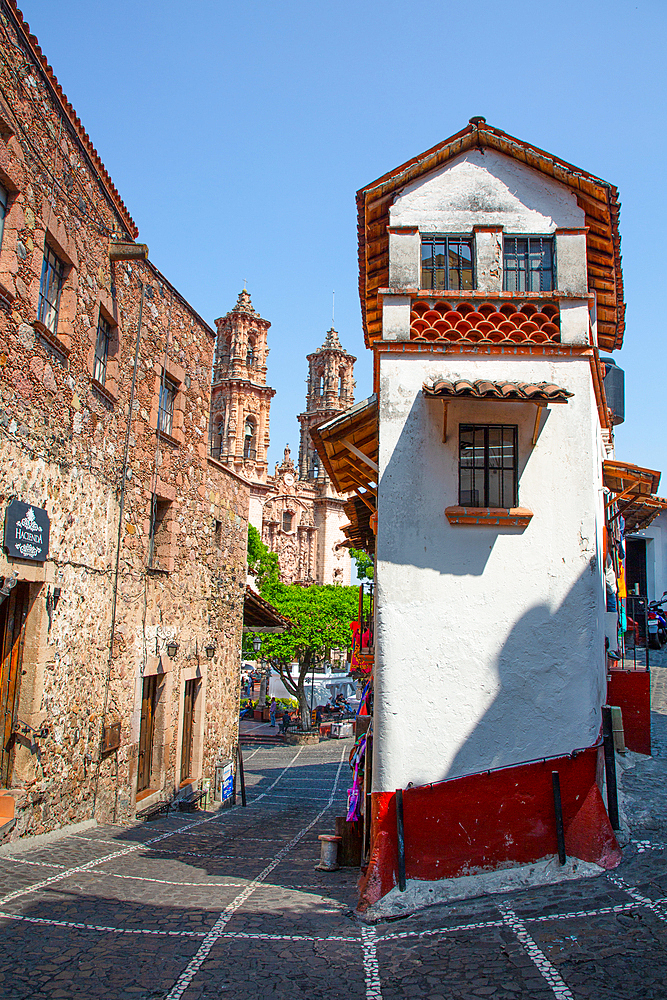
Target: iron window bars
{"x": 487, "y": 465}
{"x": 50, "y": 287}
{"x": 168, "y": 392}
{"x": 447, "y": 262}
{"x": 101, "y": 350}
{"x": 528, "y": 264}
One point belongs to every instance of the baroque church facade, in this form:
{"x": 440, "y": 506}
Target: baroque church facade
{"x": 296, "y": 509}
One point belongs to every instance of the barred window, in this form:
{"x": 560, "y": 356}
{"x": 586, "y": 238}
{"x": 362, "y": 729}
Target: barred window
{"x": 168, "y": 390}
{"x": 447, "y": 262}
{"x": 487, "y": 465}
{"x": 528, "y": 264}
{"x": 50, "y": 287}
{"x": 101, "y": 350}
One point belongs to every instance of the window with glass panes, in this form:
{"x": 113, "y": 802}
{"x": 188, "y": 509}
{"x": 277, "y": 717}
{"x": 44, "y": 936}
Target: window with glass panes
{"x": 50, "y": 287}
{"x": 101, "y": 350}
{"x": 166, "y": 409}
{"x": 447, "y": 263}
{"x": 528, "y": 264}
{"x": 487, "y": 465}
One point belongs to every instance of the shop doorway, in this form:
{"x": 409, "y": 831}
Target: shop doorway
{"x": 635, "y": 566}
{"x": 188, "y": 728}
{"x": 149, "y": 697}
{"x": 13, "y": 614}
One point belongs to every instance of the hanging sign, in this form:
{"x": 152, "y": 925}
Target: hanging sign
{"x": 26, "y": 531}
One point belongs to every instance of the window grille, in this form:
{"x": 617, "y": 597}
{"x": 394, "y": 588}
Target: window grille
{"x": 168, "y": 392}
{"x": 528, "y": 264}
{"x": 447, "y": 262}
{"x": 101, "y": 350}
{"x": 487, "y": 465}
{"x": 50, "y": 287}
{"x": 287, "y": 521}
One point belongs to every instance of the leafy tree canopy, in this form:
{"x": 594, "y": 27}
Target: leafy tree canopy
{"x": 365, "y": 567}
{"x": 262, "y": 563}
{"x": 321, "y": 616}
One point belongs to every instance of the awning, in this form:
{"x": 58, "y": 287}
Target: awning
{"x": 632, "y": 490}
{"x": 541, "y": 394}
{"x": 348, "y": 447}
{"x": 513, "y": 392}
{"x": 260, "y": 616}
{"x": 358, "y": 532}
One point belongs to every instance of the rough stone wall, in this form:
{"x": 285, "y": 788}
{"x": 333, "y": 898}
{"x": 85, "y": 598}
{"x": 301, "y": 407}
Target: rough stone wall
{"x": 62, "y": 441}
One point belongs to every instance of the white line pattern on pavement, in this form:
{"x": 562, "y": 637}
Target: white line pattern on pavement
{"x": 87, "y": 866}
{"x": 656, "y": 906}
{"x": 371, "y": 968}
{"x": 535, "y": 954}
{"x": 216, "y": 931}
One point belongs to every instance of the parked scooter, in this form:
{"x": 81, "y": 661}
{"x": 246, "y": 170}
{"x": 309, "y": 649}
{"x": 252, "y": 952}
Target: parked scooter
{"x": 657, "y": 623}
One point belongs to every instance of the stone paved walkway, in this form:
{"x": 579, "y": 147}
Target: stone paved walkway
{"x": 229, "y": 904}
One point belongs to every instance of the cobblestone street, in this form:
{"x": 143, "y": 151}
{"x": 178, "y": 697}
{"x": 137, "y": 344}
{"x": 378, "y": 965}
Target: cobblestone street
{"x": 229, "y": 904}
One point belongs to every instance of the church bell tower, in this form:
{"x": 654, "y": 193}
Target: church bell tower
{"x": 240, "y": 397}
{"x": 330, "y": 391}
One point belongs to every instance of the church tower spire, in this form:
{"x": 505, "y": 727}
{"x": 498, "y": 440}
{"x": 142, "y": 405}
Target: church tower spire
{"x": 240, "y": 398}
{"x": 330, "y": 391}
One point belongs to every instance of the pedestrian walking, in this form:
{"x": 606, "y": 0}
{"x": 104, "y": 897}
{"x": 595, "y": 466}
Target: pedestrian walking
{"x": 272, "y": 711}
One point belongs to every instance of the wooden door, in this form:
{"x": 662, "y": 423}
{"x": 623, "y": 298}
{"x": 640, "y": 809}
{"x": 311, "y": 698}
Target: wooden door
{"x": 188, "y": 719}
{"x": 147, "y": 732}
{"x": 13, "y": 613}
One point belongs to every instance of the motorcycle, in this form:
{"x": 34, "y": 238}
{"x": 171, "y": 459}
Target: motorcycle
{"x": 657, "y": 623}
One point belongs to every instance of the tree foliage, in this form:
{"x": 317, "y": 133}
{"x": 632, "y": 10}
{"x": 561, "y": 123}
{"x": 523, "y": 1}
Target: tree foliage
{"x": 321, "y": 617}
{"x": 262, "y": 563}
{"x": 365, "y": 565}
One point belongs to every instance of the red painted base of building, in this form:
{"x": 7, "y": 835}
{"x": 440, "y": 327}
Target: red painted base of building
{"x": 487, "y": 821}
{"x": 631, "y": 691}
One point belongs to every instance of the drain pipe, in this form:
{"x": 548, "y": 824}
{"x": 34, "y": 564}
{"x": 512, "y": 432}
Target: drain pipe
{"x": 119, "y": 538}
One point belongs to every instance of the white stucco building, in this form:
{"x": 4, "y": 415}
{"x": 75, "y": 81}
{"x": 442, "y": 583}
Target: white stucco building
{"x": 490, "y": 278}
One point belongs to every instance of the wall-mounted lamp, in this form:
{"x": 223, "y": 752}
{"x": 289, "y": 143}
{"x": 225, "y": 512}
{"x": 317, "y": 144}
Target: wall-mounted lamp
{"x": 257, "y": 643}
{"x": 172, "y": 648}
{"x": 210, "y": 651}
{"x": 9, "y": 583}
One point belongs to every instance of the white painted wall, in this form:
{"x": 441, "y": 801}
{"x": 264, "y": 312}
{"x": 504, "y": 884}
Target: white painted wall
{"x": 489, "y": 641}
{"x": 482, "y": 188}
{"x": 656, "y": 556}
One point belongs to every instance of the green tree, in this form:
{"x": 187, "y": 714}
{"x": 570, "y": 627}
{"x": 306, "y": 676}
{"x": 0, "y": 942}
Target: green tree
{"x": 365, "y": 565}
{"x": 321, "y": 617}
{"x": 262, "y": 563}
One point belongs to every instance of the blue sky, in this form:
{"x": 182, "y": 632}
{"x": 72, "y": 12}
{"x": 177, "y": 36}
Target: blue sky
{"x": 238, "y": 134}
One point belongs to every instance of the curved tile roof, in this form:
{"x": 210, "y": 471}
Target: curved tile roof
{"x": 482, "y": 389}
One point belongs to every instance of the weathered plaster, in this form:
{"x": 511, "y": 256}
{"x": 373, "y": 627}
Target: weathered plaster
{"x": 508, "y": 666}
{"x": 482, "y": 188}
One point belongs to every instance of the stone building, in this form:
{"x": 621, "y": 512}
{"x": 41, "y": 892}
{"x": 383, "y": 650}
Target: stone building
{"x": 123, "y": 573}
{"x": 296, "y": 510}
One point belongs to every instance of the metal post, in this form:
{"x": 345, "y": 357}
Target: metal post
{"x": 241, "y": 774}
{"x": 401, "y": 839}
{"x": 610, "y": 767}
{"x": 558, "y": 806}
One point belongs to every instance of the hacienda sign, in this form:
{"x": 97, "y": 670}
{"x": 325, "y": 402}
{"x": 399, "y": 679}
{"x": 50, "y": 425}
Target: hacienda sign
{"x": 26, "y": 531}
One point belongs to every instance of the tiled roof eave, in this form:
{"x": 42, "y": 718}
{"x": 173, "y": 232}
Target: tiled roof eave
{"x": 23, "y": 29}
{"x": 513, "y": 392}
